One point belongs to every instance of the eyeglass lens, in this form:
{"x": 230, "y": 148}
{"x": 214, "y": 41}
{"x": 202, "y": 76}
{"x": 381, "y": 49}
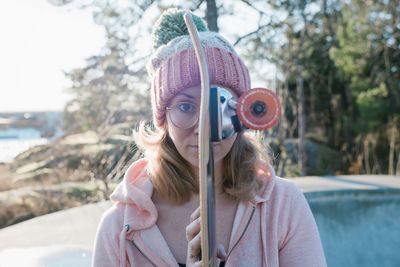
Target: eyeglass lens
{"x": 184, "y": 115}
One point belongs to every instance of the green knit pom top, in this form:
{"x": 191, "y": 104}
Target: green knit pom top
{"x": 171, "y": 25}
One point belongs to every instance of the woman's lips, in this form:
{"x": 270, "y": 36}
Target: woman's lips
{"x": 197, "y": 147}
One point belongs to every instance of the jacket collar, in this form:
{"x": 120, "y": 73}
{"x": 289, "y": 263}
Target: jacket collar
{"x": 267, "y": 175}
{"x": 141, "y": 214}
{"x": 135, "y": 193}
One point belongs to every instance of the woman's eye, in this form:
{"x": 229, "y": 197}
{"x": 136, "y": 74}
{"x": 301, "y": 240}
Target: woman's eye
{"x": 187, "y": 107}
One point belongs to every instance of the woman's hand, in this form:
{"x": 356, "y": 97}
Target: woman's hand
{"x": 194, "y": 242}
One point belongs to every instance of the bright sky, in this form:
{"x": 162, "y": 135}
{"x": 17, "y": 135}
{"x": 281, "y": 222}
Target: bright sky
{"x": 38, "y": 42}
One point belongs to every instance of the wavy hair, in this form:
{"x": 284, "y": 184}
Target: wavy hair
{"x": 173, "y": 177}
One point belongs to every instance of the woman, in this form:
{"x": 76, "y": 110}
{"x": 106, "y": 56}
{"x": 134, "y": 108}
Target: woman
{"x": 262, "y": 220}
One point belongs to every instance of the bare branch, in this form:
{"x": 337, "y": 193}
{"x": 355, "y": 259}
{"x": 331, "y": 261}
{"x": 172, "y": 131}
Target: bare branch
{"x": 255, "y": 8}
{"x": 197, "y": 5}
{"x": 249, "y": 34}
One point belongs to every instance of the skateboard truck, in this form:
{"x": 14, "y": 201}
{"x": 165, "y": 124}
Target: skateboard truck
{"x": 257, "y": 109}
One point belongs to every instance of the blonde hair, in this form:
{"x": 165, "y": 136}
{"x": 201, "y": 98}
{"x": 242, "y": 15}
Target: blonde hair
{"x": 172, "y": 175}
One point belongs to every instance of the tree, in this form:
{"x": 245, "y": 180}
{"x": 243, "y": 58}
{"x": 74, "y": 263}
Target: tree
{"x": 337, "y": 69}
{"x": 368, "y": 58}
{"x": 113, "y": 84}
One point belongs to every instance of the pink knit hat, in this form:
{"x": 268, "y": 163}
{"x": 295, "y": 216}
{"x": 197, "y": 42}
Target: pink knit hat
{"x": 173, "y": 66}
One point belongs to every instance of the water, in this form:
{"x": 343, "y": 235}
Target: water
{"x": 13, "y": 141}
{"x": 359, "y": 228}
{"x": 55, "y": 256}
{"x": 10, "y": 148}
{"x": 20, "y": 133}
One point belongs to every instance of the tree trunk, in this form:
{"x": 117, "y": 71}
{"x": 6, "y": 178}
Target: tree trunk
{"x": 301, "y": 116}
{"x": 300, "y": 102}
{"x": 212, "y": 15}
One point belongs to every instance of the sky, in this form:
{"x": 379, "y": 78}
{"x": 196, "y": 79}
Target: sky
{"x": 39, "y": 42}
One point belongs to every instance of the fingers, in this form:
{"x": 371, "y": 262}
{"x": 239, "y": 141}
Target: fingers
{"x": 192, "y": 229}
{"x": 193, "y": 253}
{"x": 195, "y": 214}
{"x": 194, "y": 226}
{"x": 194, "y": 240}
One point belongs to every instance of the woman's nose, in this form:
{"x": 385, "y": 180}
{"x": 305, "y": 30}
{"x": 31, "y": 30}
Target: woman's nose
{"x": 196, "y": 127}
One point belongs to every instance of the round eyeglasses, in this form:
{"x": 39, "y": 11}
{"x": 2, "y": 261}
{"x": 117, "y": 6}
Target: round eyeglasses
{"x": 184, "y": 114}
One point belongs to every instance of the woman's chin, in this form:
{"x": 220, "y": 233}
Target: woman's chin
{"x": 194, "y": 163}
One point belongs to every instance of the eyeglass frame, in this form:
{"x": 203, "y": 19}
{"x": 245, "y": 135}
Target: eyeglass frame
{"x": 228, "y": 111}
{"x": 168, "y": 108}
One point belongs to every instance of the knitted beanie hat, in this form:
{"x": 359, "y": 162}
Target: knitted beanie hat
{"x": 173, "y": 65}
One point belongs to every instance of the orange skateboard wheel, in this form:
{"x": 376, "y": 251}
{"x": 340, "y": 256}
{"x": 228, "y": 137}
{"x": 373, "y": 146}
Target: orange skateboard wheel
{"x": 259, "y": 109}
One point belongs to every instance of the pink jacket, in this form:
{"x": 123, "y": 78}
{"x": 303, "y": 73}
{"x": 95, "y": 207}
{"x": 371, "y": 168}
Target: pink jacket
{"x": 276, "y": 228}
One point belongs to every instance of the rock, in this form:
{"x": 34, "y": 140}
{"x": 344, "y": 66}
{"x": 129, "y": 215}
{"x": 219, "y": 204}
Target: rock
{"x": 321, "y": 159}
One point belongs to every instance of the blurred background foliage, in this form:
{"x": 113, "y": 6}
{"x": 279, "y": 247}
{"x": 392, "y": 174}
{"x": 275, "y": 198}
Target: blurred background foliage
{"x": 336, "y": 68}
{"x": 338, "y": 76}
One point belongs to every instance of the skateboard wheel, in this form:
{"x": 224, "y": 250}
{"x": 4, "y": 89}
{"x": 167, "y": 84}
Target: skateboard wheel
{"x": 259, "y": 109}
